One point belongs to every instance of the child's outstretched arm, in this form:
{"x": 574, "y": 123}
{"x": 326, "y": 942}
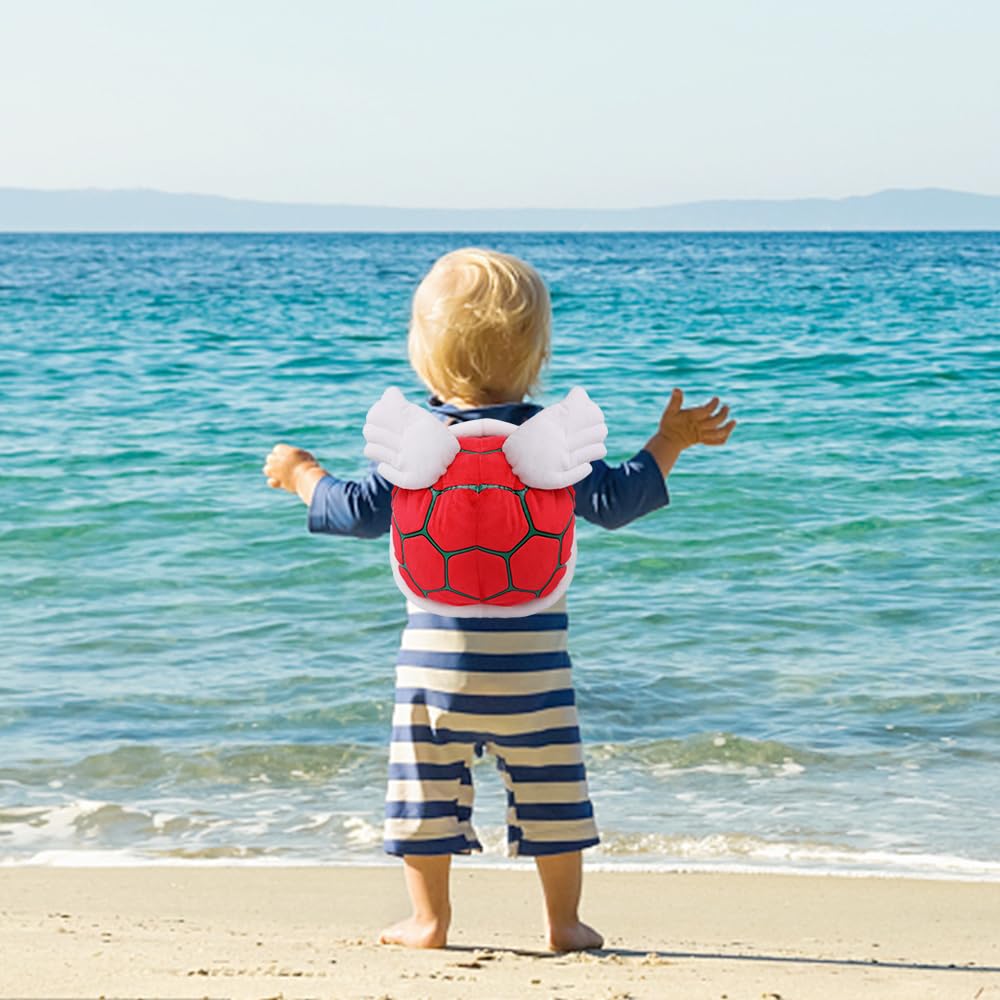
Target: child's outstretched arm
{"x": 612, "y": 496}
{"x": 336, "y": 506}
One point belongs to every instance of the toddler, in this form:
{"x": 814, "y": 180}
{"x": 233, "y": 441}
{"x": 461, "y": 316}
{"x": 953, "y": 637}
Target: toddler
{"x": 479, "y": 337}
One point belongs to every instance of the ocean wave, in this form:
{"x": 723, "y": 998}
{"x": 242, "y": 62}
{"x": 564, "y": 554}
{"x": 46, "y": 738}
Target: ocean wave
{"x": 132, "y": 765}
{"x": 757, "y": 851}
{"x": 618, "y": 851}
{"x": 715, "y": 751}
{"x": 136, "y": 764}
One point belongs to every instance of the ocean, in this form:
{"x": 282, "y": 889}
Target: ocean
{"x": 792, "y": 667}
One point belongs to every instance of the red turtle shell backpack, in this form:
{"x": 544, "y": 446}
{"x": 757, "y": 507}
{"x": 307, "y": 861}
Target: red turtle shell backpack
{"x": 482, "y": 511}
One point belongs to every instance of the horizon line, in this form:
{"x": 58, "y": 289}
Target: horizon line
{"x": 781, "y": 199}
{"x": 497, "y": 232}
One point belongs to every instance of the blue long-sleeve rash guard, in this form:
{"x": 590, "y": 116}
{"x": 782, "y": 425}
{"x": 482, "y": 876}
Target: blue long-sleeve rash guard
{"x": 610, "y": 496}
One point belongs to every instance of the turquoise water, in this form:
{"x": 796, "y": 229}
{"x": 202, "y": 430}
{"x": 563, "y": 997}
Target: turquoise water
{"x": 795, "y": 665}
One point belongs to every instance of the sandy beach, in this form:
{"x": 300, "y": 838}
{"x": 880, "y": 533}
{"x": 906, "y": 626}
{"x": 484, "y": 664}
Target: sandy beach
{"x": 300, "y": 932}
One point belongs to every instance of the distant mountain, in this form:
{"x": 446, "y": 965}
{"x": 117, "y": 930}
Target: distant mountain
{"x": 92, "y": 210}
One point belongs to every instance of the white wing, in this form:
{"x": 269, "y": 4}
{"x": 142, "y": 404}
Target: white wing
{"x": 413, "y": 448}
{"x": 556, "y": 446}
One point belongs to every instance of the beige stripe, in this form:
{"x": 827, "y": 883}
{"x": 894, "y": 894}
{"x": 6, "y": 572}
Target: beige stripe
{"x": 418, "y": 790}
{"x": 545, "y": 792}
{"x": 441, "y": 640}
{"x": 421, "y": 829}
{"x": 484, "y": 681}
{"x": 555, "y": 753}
{"x": 558, "y": 607}
{"x": 558, "y": 829}
{"x": 429, "y": 753}
{"x": 501, "y": 725}
{"x": 465, "y": 828}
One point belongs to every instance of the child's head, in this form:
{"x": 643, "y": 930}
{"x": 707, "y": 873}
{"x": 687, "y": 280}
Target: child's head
{"x": 480, "y": 326}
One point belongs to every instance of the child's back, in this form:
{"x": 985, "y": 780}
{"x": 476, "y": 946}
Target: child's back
{"x": 479, "y": 336}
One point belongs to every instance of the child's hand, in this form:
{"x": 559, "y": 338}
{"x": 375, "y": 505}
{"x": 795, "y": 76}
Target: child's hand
{"x": 293, "y": 469}
{"x": 682, "y": 428}
{"x": 696, "y": 424}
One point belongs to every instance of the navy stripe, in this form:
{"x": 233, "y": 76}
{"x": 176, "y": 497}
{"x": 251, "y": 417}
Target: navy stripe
{"x": 536, "y": 847}
{"x": 551, "y": 621}
{"x": 483, "y": 661}
{"x": 485, "y": 704}
{"x": 441, "y": 845}
{"x": 541, "y": 738}
{"x": 426, "y": 810}
{"x": 551, "y": 772}
{"x": 555, "y": 810}
{"x": 431, "y": 772}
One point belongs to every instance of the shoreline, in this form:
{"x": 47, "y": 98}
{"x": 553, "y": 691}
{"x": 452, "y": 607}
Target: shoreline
{"x": 69, "y": 859}
{"x": 238, "y": 930}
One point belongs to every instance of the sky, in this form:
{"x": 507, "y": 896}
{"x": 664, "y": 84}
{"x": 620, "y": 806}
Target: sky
{"x": 512, "y": 104}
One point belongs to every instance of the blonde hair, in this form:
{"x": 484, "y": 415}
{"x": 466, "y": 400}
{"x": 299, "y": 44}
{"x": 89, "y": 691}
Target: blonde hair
{"x": 480, "y": 327}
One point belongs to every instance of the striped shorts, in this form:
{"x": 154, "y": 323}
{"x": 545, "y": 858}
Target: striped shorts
{"x": 465, "y": 685}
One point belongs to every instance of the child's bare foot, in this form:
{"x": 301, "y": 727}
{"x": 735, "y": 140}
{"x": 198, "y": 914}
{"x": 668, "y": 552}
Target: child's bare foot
{"x": 562, "y": 878}
{"x": 574, "y": 937}
{"x": 412, "y": 933}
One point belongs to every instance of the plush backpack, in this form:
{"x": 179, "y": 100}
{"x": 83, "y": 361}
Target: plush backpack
{"x": 483, "y": 510}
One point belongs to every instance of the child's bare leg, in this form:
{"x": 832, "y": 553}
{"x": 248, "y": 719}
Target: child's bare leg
{"x": 562, "y": 880}
{"x": 427, "y": 883}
